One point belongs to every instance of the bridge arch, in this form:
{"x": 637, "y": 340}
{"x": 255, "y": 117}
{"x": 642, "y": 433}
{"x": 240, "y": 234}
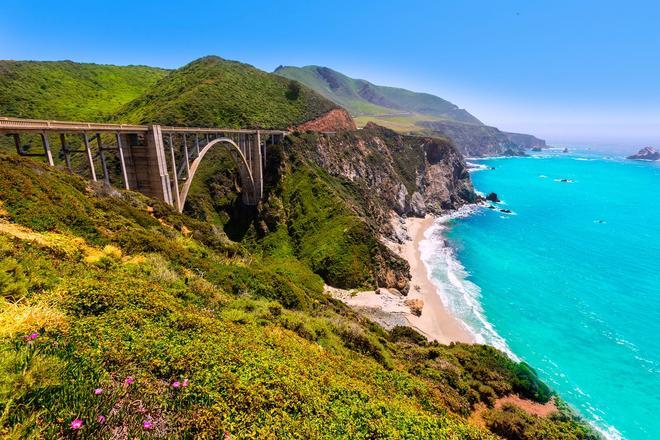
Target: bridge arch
{"x": 249, "y": 187}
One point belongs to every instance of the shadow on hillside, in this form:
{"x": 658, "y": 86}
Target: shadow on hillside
{"x": 241, "y": 217}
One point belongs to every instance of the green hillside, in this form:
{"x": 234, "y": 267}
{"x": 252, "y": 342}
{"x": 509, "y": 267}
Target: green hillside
{"x": 214, "y": 92}
{"x": 66, "y": 90}
{"x": 114, "y": 305}
{"x": 362, "y": 98}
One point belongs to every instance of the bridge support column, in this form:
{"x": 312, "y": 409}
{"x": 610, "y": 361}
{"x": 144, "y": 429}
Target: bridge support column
{"x": 147, "y": 166}
{"x": 257, "y": 166}
{"x": 159, "y": 179}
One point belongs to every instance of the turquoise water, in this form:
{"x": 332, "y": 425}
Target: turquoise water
{"x": 569, "y": 282}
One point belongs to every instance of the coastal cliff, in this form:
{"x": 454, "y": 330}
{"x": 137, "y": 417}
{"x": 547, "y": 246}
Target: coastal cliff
{"x": 476, "y": 140}
{"x": 412, "y": 175}
{"x": 525, "y": 141}
{"x": 377, "y": 174}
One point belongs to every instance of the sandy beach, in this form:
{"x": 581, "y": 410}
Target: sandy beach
{"x": 390, "y": 308}
{"x": 436, "y": 321}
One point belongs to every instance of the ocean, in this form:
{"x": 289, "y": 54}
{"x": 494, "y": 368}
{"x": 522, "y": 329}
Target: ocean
{"x": 569, "y": 281}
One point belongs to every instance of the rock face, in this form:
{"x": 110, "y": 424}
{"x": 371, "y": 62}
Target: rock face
{"x": 335, "y": 120}
{"x": 411, "y": 175}
{"x": 386, "y": 176}
{"x": 416, "y": 306}
{"x": 646, "y": 153}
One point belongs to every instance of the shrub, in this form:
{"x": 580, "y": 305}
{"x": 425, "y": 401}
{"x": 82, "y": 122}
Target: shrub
{"x": 13, "y": 283}
{"x": 357, "y": 339}
{"x": 528, "y": 384}
{"x": 404, "y": 333}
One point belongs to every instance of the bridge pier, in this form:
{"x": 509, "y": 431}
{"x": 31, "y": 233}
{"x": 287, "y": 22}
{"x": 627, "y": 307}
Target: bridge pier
{"x": 146, "y": 167}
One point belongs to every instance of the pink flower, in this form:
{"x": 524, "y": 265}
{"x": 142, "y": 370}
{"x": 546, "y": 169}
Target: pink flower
{"x": 147, "y": 424}
{"x": 101, "y": 419}
{"x": 176, "y": 384}
{"x": 76, "y": 423}
{"x": 129, "y": 380}
{"x": 32, "y": 336}
{"x": 185, "y": 383}
{"x": 98, "y": 391}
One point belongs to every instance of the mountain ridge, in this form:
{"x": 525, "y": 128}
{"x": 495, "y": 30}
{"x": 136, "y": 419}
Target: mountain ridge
{"x": 361, "y": 97}
{"x": 410, "y": 112}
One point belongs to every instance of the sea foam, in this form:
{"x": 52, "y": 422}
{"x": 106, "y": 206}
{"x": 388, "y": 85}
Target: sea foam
{"x": 457, "y": 292}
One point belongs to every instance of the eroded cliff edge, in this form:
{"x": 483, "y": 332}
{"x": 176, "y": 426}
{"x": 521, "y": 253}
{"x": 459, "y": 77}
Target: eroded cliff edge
{"x": 411, "y": 175}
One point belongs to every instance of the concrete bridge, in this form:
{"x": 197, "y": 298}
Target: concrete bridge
{"x": 158, "y": 161}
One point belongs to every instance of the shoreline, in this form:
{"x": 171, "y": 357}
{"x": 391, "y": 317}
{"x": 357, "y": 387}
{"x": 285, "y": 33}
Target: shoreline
{"x": 390, "y": 308}
{"x": 436, "y": 322}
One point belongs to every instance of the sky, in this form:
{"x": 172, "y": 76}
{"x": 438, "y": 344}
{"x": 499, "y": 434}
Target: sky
{"x": 573, "y": 72}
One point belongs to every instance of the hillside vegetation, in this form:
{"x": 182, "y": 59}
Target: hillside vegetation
{"x": 212, "y": 92}
{"x": 409, "y": 112}
{"x": 64, "y": 90}
{"x": 122, "y": 318}
{"x": 363, "y": 98}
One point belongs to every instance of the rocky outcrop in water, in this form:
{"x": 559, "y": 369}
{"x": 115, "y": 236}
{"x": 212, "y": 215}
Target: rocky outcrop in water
{"x": 492, "y": 197}
{"x": 646, "y": 153}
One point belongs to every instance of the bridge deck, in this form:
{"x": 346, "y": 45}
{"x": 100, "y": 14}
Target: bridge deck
{"x": 37, "y": 125}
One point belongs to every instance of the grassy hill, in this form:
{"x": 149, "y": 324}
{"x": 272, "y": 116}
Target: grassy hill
{"x": 409, "y": 112}
{"x": 114, "y": 305}
{"x": 213, "y": 92}
{"x": 66, "y": 90}
{"x": 210, "y": 91}
{"x": 362, "y": 98}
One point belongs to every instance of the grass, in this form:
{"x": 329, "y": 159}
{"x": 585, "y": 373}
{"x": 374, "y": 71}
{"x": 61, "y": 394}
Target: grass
{"x": 362, "y": 98}
{"x": 113, "y": 290}
{"x": 63, "y": 90}
{"x": 399, "y": 123}
{"x": 212, "y": 92}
